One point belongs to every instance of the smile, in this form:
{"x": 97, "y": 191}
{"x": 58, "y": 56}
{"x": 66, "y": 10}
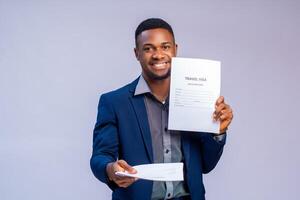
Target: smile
{"x": 160, "y": 65}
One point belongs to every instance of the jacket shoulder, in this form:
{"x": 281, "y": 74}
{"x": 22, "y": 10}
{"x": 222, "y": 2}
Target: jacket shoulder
{"x": 122, "y": 92}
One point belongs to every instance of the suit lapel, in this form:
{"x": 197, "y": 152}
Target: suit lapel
{"x": 141, "y": 115}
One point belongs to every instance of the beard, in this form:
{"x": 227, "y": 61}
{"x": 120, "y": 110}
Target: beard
{"x": 153, "y": 76}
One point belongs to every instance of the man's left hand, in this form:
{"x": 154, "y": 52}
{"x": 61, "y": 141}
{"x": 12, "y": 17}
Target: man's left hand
{"x": 223, "y": 113}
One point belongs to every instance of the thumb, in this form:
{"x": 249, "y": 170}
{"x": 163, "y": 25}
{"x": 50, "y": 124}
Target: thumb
{"x": 127, "y": 167}
{"x": 220, "y": 100}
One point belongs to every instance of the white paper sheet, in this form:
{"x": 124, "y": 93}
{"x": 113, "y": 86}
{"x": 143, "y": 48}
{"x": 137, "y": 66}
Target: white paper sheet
{"x": 195, "y": 87}
{"x": 157, "y": 172}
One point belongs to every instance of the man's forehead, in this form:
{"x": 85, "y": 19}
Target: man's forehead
{"x": 158, "y": 35}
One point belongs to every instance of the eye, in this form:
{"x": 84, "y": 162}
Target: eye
{"x": 166, "y": 47}
{"x": 147, "y": 49}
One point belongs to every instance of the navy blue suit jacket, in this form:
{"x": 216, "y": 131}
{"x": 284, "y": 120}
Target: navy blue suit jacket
{"x": 122, "y": 132}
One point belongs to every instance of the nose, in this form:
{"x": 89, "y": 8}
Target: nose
{"x": 158, "y": 55}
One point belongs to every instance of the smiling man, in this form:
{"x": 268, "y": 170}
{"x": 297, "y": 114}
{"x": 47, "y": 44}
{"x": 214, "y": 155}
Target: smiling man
{"x": 131, "y": 127}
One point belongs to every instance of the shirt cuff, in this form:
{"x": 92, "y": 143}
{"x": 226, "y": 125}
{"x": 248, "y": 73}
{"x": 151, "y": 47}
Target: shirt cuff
{"x": 220, "y": 138}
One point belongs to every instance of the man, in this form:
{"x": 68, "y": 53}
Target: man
{"x": 131, "y": 127}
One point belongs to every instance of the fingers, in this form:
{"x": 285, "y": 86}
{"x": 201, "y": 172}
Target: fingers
{"x": 126, "y": 167}
{"x": 120, "y": 165}
{"x": 220, "y": 105}
{"x": 220, "y": 100}
{"x": 223, "y": 113}
{"x": 218, "y": 110}
{"x": 124, "y": 181}
{"x": 225, "y": 118}
{"x": 226, "y": 114}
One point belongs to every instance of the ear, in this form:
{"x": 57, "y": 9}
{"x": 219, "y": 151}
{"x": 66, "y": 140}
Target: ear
{"x": 136, "y": 53}
{"x": 176, "y": 46}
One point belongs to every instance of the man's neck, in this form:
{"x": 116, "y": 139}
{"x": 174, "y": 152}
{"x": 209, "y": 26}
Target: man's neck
{"x": 159, "y": 88}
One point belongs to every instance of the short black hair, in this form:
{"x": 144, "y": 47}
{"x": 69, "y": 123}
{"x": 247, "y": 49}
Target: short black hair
{"x": 152, "y": 23}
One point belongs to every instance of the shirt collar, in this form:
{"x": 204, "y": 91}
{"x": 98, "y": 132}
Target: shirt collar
{"x": 142, "y": 87}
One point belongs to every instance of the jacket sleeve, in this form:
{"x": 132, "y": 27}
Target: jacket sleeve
{"x": 105, "y": 141}
{"x": 211, "y": 150}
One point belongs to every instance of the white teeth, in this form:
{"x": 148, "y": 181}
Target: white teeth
{"x": 160, "y": 64}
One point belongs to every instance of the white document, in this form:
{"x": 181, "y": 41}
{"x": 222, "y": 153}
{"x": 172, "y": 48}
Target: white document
{"x": 157, "y": 172}
{"x": 195, "y": 87}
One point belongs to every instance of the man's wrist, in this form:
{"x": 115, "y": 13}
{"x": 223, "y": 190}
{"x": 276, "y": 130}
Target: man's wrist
{"x": 109, "y": 170}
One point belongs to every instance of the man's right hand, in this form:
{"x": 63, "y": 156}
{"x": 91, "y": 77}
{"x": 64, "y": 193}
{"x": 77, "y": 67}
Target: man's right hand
{"x": 120, "y": 165}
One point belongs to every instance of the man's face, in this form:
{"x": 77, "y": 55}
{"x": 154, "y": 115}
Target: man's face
{"x": 155, "y": 48}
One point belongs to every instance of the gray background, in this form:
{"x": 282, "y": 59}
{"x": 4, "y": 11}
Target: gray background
{"x": 57, "y": 57}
